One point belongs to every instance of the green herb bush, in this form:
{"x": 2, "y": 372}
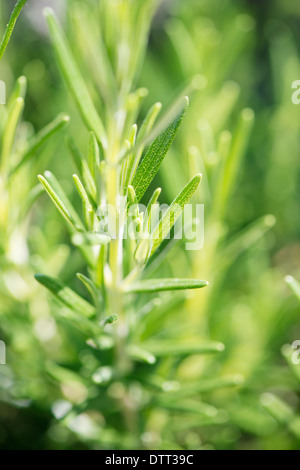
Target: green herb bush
{"x": 144, "y": 344}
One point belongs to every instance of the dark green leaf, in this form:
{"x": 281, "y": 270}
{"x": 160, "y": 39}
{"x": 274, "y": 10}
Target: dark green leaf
{"x": 153, "y": 159}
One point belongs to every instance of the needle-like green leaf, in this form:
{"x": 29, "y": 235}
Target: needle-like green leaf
{"x": 76, "y": 155}
{"x": 74, "y": 79}
{"x": 134, "y": 157}
{"x": 158, "y": 285}
{"x": 19, "y": 91}
{"x": 41, "y": 137}
{"x": 153, "y": 159}
{"x": 148, "y": 122}
{"x": 90, "y": 238}
{"x": 93, "y": 48}
{"x": 132, "y": 200}
{"x": 204, "y": 386}
{"x": 294, "y": 285}
{"x": 60, "y": 200}
{"x": 10, "y": 130}
{"x": 142, "y": 251}
{"x": 11, "y": 25}
{"x": 177, "y": 348}
{"x": 66, "y": 295}
{"x": 189, "y": 406}
{"x": 82, "y": 192}
{"x": 230, "y": 167}
{"x": 87, "y": 206}
{"x": 94, "y": 155}
{"x": 84, "y": 171}
{"x": 245, "y": 239}
{"x": 140, "y": 354}
{"x": 151, "y": 208}
{"x": 89, "y": 182}
{"x": 169, "y": 218}
{"x": 277, "y": 408}
{"x": 91, "y": 288}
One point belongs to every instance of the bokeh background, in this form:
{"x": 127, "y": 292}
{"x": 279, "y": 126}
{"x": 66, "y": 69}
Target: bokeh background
{"x": 229, "y": 56}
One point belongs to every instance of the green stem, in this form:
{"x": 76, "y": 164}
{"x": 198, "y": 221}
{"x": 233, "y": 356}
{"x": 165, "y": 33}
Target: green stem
{"x": 123, "y": 363}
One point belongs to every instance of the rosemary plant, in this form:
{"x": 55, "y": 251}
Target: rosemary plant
{"x": 125, "y": 301}
{"x": 129, "y": 353}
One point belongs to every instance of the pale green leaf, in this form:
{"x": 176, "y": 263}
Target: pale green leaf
{"x": 10, "y": 130}
{"x": 132, "y": 200}
{"x": 19, "y": 90}
{"x": 84, "y": 171}
{"x": 10, "y": 26}
{"x": 41, "y": 137}
{"x": 74, "y": 79}
{"x": 277, "y": 408}
{"x": 87, "y": 206}
{"x": 204, "y": 386}
{"x": 91, "y": 288}
{"x": 60, "y": 200}
{"x": 150, "y": 208}
{"x": 140, "y": 354}
{"x": 158, "y": 285}
{"x": 169, "y": 218}
{"x": 179, "y": 348}
{"x": 94, "y": 154}
{"x": 90, "y": 238}
{"x": 230, "y": 166}
{"x": 66, "y": 295}
{"x": 134, "y": 158}
{"x": 294, "y": 285}
{"x": 245, "y": 239}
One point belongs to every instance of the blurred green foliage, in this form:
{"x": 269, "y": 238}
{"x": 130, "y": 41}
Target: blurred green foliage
{"x": 54, "y": 393}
